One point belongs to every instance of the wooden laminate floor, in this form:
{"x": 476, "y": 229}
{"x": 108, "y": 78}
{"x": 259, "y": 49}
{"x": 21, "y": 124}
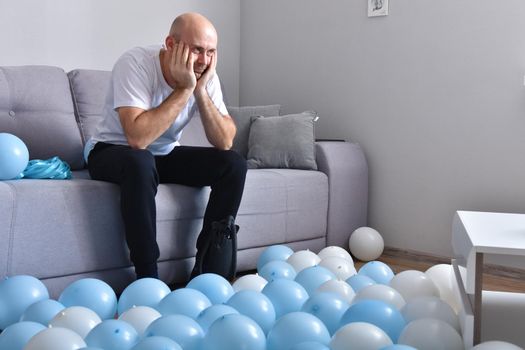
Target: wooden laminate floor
{"x": 503, "y": 280}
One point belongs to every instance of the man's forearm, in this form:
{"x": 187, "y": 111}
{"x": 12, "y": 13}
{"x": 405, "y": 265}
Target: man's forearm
{"x": 220, "y": 130}
{"x": 145, "y": 128}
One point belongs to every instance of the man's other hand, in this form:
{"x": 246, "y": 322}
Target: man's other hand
{"x": 207, "y": 75}
{"x": 181, "y": 66}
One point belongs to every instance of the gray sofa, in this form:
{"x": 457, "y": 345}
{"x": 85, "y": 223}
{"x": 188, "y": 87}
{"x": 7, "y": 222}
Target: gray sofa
{"x": 63, "y": 230}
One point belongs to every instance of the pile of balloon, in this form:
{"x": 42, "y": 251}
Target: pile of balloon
{"x": 297, "y": 301}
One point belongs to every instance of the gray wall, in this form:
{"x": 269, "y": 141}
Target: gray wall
{"x": 94, "y": 33}
{"x": 433, "y": 92}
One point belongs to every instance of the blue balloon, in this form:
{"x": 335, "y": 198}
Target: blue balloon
{"x": 42, "y": 311}
{"x": 157, "y": 343}
{"x": 378, "y": 271}
{"x": 295, "y": 328}
{"x": 256, "y": 306}
{"x": 142, "y": 292}
{"x": 277, "y": 269}
{"x": 398, "y": 347}
{"x": 214, "y": 286}
{"x": 312, "y": 277}
{"x": 14, "y": 156}
{"x": 183, "y": 330}
{"x": 16, "y": 336}
{"x": 18, "y": 293}
{"x": 211, "y": 314}
{"x": 377, "y": 312}
{"x": 92, "y": 293}
{"x": 234, "y": 332}
{"x": 328, "y": 307}
{"x": 274, "y": 252}
{"x": 285, "y": 295}
{"x": 184, "y": 301}
{"x": 112, "y": 334}
{"x": 358, "y": 282}
{"x": 310, "y": 345}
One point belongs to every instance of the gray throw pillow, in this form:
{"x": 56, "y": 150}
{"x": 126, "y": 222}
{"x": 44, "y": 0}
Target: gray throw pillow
{"x": 241, "y": 117}
{"x": 283, "y": 142}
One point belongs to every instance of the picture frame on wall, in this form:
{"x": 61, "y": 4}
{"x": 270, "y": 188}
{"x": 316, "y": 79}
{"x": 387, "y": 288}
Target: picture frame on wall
{"x": 377, "y": 8}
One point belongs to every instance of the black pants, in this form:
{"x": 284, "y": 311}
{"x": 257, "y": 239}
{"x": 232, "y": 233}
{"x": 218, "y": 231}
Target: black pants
{"x": 138, "y": 173}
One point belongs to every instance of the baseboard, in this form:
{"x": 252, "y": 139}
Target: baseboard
{"x": 490, "y": 269}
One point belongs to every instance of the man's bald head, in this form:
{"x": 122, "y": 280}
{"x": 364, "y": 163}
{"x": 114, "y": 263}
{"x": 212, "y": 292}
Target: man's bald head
{"x": 196, "y": 31}
{"x": 192, "y": 22}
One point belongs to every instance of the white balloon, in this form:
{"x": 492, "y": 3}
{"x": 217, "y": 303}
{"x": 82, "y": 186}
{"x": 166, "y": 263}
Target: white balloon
{"x": 79, "y": 319}
{"x": 381, "y": 292}
{"x": 442, "y": 275}
{"x": 250, "y": 282}
{"x": 340, "y": 287}
{"x": 359, "y": 336}
{"x": 412, "y": 284}
{"x": 366, "y": 244}
{"x": 340, "y": 267}
{"x": 431, "y": 334}
{"x": 430, "y": 307}
{"x": 335, "y": 251}
{"x": 55, "y": 339}
{"x": 140, "y": 317}
{"x": 496, "y": 345}
{"x": 302, "y": 259}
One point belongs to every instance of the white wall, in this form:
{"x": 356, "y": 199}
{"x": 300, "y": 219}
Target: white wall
{"x": 94, "y": 33}
{"x": 433, "y": 92}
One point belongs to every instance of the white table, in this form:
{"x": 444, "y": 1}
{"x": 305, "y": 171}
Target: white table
{"x": 475, "y": 234}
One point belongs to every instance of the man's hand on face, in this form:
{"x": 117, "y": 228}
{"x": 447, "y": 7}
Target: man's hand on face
{"x": 207, "y": 75}
{"x": 181, "y": 66}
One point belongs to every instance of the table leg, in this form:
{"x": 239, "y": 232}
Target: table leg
{"x": 477, "y": 302}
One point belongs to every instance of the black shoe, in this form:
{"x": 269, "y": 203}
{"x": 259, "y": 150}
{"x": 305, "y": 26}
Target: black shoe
{"x": 217, "y": 250}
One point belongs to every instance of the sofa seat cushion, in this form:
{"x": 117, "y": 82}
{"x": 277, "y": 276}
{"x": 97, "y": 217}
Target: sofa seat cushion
{"x": 78, "y": 221}
{"x": 278, "y": 206}
{"x": 292, "y": 205}
{"x": 54, "y": 223}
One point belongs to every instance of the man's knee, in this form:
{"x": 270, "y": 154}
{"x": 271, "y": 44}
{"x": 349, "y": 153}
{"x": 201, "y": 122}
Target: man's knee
{"x": 140, "y": 165}
{"x": 236, "y": 162}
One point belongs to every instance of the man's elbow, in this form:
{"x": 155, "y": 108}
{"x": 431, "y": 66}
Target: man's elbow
{"x": 136, "y": 143}
{"x": 224, "y": 146}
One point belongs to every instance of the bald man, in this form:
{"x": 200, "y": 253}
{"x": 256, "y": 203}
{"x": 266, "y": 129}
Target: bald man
{"x": 154, "y": 93}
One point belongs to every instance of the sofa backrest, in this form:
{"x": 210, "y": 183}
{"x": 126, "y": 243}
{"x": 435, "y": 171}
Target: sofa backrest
{"x": 89, "y": 88}
{"x": 36, "y": 106}
{"x": 55, "y": 113}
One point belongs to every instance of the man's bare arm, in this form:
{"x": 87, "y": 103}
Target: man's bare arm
{"x": 143, "y": 127}
{"x": 220, "y": 130}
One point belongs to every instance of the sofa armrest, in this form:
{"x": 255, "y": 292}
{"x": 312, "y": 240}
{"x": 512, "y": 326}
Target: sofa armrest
{"x": 345, "y": 165}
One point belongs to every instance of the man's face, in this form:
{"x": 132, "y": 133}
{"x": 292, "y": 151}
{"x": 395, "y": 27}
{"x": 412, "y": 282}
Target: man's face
{"x": 203, "y": 44}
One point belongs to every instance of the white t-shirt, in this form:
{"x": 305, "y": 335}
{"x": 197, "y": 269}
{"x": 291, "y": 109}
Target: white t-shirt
{"x": 137, "y": 81}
